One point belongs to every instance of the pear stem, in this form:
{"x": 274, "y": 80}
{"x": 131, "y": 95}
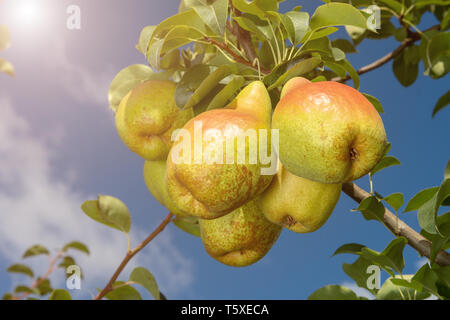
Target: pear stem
{"x": 398, "y": 227}
{"x": 130, "y": 254}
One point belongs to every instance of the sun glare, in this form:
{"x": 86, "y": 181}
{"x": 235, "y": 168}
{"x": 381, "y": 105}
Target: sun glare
{"x": 27, "y": 12}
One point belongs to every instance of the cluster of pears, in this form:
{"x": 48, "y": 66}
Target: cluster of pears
{"x": 328, "y": 134}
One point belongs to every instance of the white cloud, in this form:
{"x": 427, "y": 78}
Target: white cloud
{"x": 36, "y": 208}
{"x": 360, "y": 292}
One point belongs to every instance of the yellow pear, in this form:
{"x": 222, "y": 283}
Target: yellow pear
{"x": 154, "y": 176}
{"x": 147, "y": 117}
{"x": 215, "y": 164}
{"x": 328, "y": 132}
{"x": 298, "y": 204}
{"x": 240, "y": 238}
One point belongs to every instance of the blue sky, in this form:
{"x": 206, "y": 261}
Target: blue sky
{"x": 59, "y": 147}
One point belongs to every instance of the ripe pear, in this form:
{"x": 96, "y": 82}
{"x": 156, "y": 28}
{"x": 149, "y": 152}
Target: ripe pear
{"x": 147, "y": 116}
{"x": 328, "y": 132}
{"x": 298, "y": 204}
{"x": 204, "y": 177}
{"x": 154, "y": 176}
{"x": 240, "y": 238}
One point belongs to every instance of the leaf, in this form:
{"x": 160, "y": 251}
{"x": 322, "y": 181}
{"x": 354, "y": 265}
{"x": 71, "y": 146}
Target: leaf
{"x": 256, "y": 7}
{"x": 208, "y": 84}
{"x": 109, "y": 211}
{"x": 25, "y": 289}
{"x": 144, "y": 39}
{"x": 191, "y": 80}
{"x": 127, "y": 79}
{"x": 60, "y": 294}
{"x": 189, "y": 225}
{"x": 371, "y": 208}
{"x": 7, "y": 296}
{"x": 5, "y": 37}
{"x": 66, "y": 262}
{"x": 447, "y": 171}
{"x": 261, "y": 31}
{"x": 146, "y": 279}
{"x": 374, "y": 101}
{"x": 77, "y": 246}
{"x": 354, "y": 248}
{"x": 391, "y": 258}
{"x": 386, "y": 162}
{"x": 437, "y": 57}
{"x": 420, "y": 199}
{"x": 344, "y": 45}
{"x": 227, "y": 93}
{"x": 358, "y": 272}
{"x": 35, "y": 251}
{"x": 337, "y": 14}
{"x": 443, "y": 102}
{"x": 6, "y": 67}
{"x": 214, "y": 15}
{"x": 391, "y": 290}
{"x": 44, "y": 287}
{"x": 300, "y": 22}
{"x": 333, "y": 292}
{"x": 123, "y": 292}
{"x": 405, "y": 72}
{"x": 427, "y": 278}
{"x": 298, "y": 69}
{"x": 356, "y": 34}
{"x": 395, "y": 200}
{"x": 427, "y": 213}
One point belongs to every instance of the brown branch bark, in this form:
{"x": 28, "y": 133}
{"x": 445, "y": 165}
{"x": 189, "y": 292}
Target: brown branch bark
{"x": 415, "y": 240}
{"x": 130, "y": 254}
{"x": 412, "y": 38}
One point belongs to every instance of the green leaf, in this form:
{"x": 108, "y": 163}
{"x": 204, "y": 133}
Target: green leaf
{"x": 109, "y": 211}
{"x": 371, "y": 208}
{"x": 354, "y": 248}
{"x": 256, "y": 7}
{"x": 7, "y": 296}
{"x": 44, "y": 287}
{"x": 214, "y": 15}
{"x": 6, "y": 67}
{"x": 5, "y": 37}
{"x": 127, "y": 79}
{"x": 358, "y": 272}
{"x": 21, "y": 268}
{"x": 447, "y": 171}
{"x": 351, "y": 72}
{"x": 187, "y": 224}
{"x": 386, "y": 162}
{"x": 35, "y": 251}
{"x": 300, "y": 22}
{"x": 66, "y": 262}
{"x": 146, "y": 279}
{"x": 227, "y": 93}
{"x": 298, "y": 69}
{"x": 443, "y": 102}
{"x": 406, "y": 73}
{"x": 260, "y": 28}
{"x": 344, "y": 45}
{"x": 390, "y": 258}
{"x": 374, "y": 101}
{"x": 60, "y": 294}
{"x": 356, "y": 34}
{"x": 25, "y": 289}
{"x": 333, "y": 292}
{"x": 77, "y": 246}
{"x": 437, "y": 57}
{"x": 400, "y": 34}
{"x": 122, "y": 291}
{"x": 337, "y": 14}
{"x": 209, "y": 83}
{"x": 427, "y": 278}
{"x": 427, "y": 213}
{"x": 189, "y": 83}
{"x": 391, "y": 290}
{"x": 395, "y": 200}
{"x": 144, "y": 39}
{"x": 420, "y": 199}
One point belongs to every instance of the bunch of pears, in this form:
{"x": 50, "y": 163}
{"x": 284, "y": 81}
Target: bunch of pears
{"x": 327, "y": 134}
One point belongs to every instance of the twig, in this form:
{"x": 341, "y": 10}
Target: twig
{"x": 37, "y": 283}
{"x": 412, "y": 37}
{"x": 130, "y": 254}
{"x": 415, "y": 240}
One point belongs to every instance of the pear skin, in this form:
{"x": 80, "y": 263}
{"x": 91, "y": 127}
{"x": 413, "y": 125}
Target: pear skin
{"x": 210, "y": 189}
{"x": 298, "y": 204}
{"x": 240, "y": 238}
{"x": 328, "y": 132}
{"x": 154, "y": 176}
{"x": 147, "y": 117}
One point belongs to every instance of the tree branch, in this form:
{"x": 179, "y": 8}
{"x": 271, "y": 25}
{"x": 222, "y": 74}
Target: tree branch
{"x": 130, "y": 254}
{"x": 415, "y": 240}
{"x": 412, "y": 37}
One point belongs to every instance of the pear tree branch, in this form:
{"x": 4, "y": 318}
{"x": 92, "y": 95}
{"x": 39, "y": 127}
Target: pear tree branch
{"x": 415, "y": 240}
{"x": 130, "y": 254}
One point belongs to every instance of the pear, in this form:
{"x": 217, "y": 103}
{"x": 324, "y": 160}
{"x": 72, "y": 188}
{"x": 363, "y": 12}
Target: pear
{"x": 210, "y": 177}
{"x": 240, "y": 238}
{"x": 298, "y": 204}
{"x": 147, "y": 117}
{"x": 154, "y": 176}
{"x": 328, "y": 132}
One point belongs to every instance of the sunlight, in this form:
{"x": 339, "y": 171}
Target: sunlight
{"x": 27, "y": 12}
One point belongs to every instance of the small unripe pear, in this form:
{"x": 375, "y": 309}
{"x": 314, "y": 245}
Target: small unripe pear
{"x": 298, "y": 204}
{"x": 241, "y": 237}
{"x": 147, "y": 117}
